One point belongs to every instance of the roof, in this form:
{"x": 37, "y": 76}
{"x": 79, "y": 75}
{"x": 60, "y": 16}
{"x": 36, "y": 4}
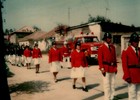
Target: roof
{"x": 82, "y": 25}
{"x": 26, "y": 29}
{"x": 108, "y": 27}
{"x": 115, "y": 27}
{"x": 33, "y": 36}
{"x": 48, "y": 34}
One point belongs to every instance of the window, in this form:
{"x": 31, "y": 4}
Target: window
{"x": 117, "y": 39}
{"x": 91, "y": 39}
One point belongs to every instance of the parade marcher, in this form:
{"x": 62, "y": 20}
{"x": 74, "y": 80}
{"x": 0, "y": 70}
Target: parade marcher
{"x": 108, "y": 66}
{"x": 36, "y": 55}
{"x": 131, "y": 67}
{"x": 27, "y": 55}
{"x": 11, "y": 52}
{"x": 19, "y": 53}
{"x": 54, "y": 59}
{"x": 79, "y": 65}
{"x": 65, "y": 51}
{"x": 22, "y": 48}
{"x": 14, "y": 53}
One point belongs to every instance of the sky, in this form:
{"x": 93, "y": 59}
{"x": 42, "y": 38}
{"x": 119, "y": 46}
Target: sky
{"x": 47, "y": 14}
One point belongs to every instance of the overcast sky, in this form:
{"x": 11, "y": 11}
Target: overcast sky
{"x": 46, "y": 14}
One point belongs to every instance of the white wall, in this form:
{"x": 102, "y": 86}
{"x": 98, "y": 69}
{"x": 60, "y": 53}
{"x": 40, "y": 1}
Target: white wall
{"x": 96, "y": 29}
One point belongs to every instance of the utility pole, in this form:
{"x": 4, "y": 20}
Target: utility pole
{"x": 4, "y": 90}
{"x": 106, "y": 15}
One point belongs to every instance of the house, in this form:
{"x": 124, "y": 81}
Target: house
{"x": 24, "y": 31}
{"x": 31, "y": 38}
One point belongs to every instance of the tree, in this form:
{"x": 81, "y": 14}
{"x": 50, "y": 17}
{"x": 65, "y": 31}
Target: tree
{"x": 4, "y": 90}
{"x": 98, "y": 18}
{"x": 36, "y": 28}
{"x": 11, "y": 30}
{"x": 7, "y": 31}
{"x": 61, "y": 29}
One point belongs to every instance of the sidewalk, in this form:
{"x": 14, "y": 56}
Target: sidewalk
{"x": 27, "y": 85}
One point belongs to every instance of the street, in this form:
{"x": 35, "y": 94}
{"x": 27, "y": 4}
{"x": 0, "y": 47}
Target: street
{"x": 25, "y": 84}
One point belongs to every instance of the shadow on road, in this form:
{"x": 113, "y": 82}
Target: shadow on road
{"x": 117, "y": 97}
{"x": 10, "y": 74}
{"x": 91, "y": 86}
{"x": 62, "y": 79}
{"x": 29, "y": 87}
{"x": 94, "y": 97}
{"x": 44, "y": 71}
{"x": 121, "y": 87}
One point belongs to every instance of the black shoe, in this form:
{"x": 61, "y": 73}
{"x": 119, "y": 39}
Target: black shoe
{"x": 56, "y": 81}
{"x": 85, "y": 89}
{"x": 74, "y": 87}
{"x": 37, "y": 72}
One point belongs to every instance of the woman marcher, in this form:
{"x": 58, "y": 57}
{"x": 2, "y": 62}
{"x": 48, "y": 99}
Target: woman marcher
{"x": 27, "y": 54}
{"x": 65, "y": 51}
{"x": 36, "y": 55}
{"x": 54, "y": 60}
{"x": 78, "y": 63}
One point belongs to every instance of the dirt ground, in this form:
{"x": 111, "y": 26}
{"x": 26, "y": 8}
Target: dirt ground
{"x": 25, "y": 84}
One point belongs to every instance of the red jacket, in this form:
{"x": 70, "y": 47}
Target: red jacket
{"x": 129, "y": 60}
{"x": 36, "y": 53}
{"x": 27, "y": 53}
{"x": 65, "y": 51}
{"x": 78, "y": 59}
{"x": 107, "y": 58}
{"x": 54, "y": 55}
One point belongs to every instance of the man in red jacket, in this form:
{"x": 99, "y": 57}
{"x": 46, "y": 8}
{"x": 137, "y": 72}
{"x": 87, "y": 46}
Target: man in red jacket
{"x": 36, "y": 55}
{"x": 79, "y": 64}
{"x": 131, "y": 67}
{"x": 108, "y": 66}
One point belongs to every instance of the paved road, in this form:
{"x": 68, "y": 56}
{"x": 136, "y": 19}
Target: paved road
{"x": 27, "y": 85}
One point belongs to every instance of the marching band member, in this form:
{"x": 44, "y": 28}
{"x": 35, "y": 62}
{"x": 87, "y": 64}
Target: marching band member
{"x": 108, "y": 66}
{"x": 28, "y": 54}
{"x": 36, "y": 55}
{"x": 78, "y": 63}
{"x": 54, "y": 60}
{"x": 65, "y": 50}
{"x": 131, "y": 67}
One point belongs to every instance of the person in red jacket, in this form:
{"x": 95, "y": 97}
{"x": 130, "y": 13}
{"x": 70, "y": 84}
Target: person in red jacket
{"x": 65, "y": 51}
{"x": 54, "y": 60}
{"x": 131, "y": 67}
{"x": 78, "y": 63}
{"x": 108, "y": 66}
{"x": 36, "y": 55}
{"x": 27, "y": 54}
